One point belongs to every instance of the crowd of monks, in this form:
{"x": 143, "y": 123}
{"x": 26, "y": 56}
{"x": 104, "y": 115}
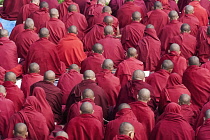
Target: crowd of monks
{"x": 98, "y": 70}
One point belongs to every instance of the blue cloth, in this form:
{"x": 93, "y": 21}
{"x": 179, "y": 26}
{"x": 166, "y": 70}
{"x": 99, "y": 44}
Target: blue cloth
{"x": 8, "y": 25}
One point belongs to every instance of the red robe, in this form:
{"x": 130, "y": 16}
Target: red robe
{"x": 122, "y": 137}
{"x": 70, "y": 50}
{"x": 149, "y": 4}
{"x": 182, "y": 4}
{"x": 110, "y": 84}
{"x": 81, "y": 4}
{"x": 180, "y": 63}
{"x": 197, "y": 80}
{"x": 206, "y": 65}
{"x": 53, "y": 96}
{"x": 115, "y": 5}
{"x": 125, "y": 115}
{"x": 26, "y": 11}
{"x": 204, "y": 50}
{"x": 131, "y": 34}
{"x": 44, "y": 53}
{"x": 14, "y": 94}
{"x": 173, "y": 5}
{"x": 2, "y": 74}
{"x": 201, "y": 35}
{"x": 67, "y": 81}
{"x": 85, "y": 127}
{"x": 34, "y": 120}
{"x": 52, "y": 3}
{"x": 16, "y": 138}
{"x": 57, "y": 29}
{"x": 93, "y": 62}
{"x": 60, "y": 138}
{"x": 149, "y": 49}
{"x": 113, "y": 49}
{"x": 63, "y": 8}
{"x": 126, "y": 68}
{"x": 8, "y": 52}
{"x": 28, "y": 80}
{"x": 202, "y": 133}
{"x": 169, "y": 31}
{"x": 188, "y": 114}
{"x": 24, "y": 41}
{"x": 205, "y": 4}
{"x": 15, "y": 31}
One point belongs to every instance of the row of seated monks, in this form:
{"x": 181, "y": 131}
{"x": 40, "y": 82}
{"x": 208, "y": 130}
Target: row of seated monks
{"x": 83, "y": 69}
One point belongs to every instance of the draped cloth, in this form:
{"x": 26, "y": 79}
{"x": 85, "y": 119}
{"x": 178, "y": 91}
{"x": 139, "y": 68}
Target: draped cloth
{"x": 202, "y": 133}
{"x": 15, "y": 31}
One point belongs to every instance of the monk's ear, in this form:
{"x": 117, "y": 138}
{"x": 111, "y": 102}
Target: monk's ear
{"x": 93, "y": 111}
{"x": 13, "y": 132}
{"x": 26, "y": 135}
{"x": 80, "y": 112}
{"x": 169, "y": 51}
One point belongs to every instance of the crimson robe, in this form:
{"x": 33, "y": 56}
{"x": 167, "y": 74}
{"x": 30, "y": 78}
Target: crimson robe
{"x": 53, "y": 96}
{"x": 188, "y": 114}
{"x": 122, "y": 137}
{"x": 44, "y": 53}
{"x": 149, "y": 4}
{"x": 15, "y": 31}
{"x": 81, "y": 4}
{"x": 28, "y": 80}
{"x": 201, "y": 35}
{"x": 57, "y": 29}
{"x": 67, "y": 81}
{"x": 197, "y": 80}
{"x": 33, "y": 118}
{"x": 83, "y": 127}
{"x": 2, "y": 74}
{"x": 202, "y": 133}
{"x": 24, "y": 41}
{"x": 182, "y": 4}
{"x": 206, "y": 65}
{"x": 16, "y": 138}
{"x": 93, "y": 62}
{"x": 115, "y": 5}
{"x": 70, "y": 50}
{"x": 205, "y": 4}
{"x": 149, "y": 49}
{"x": 173, "y": 5}
{"x": 113, "y": 49}
{"x": 52, "y": 3}
{"x": 8, "y": 52}
{"x": 204, "y": 50}
{"x": 126, "y": 68}
{"x": 131, "y": 34}
{"x": 110, "y": 84}
{"x": 125, "y": 115}
{"x": 14, "y": 94}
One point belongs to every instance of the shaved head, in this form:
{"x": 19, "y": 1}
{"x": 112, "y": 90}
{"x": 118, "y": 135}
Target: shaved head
{"x": 34, "y": 68}
{"x": 21, "y": 130}
{"x": 144, "y": 95}
{"x": 89, "y": 74}
{"x": 44, "y": 5}
{"x": 189, "y": 9}
{"x": 103, "y": 2}
{"x": 62, "y": 134}
{"x": 194, "y": 60}
{"x": 3, "y": 90}
{"x": 108, "y": 64}
{"x": 158, "y": 5}
{"x": 185, "y": 28}
{"x": 132, "y": 52}
{"x": 72, "y": 29}
{"x": 49, "y": 76}
{"x": 88, "y": 93}
{"x": 44, "y": 32}
{"x": 72, "y": 8}
{"x": 208, "y": 30}
{"x": 138, "y": 75}
{"x": 35, "y": 2}
{"x": 173, "y": 15}
{"x": 54, "y": 13}
{"x": 126, "y": 128}
{"x": 86, "y": 108}
{"x": 107, "y": 9}
{"x": 150, "y": 26}
{"x": 4, "y": 33}
{"x": 108, "y": 20}
{"x": 29, "y": 24}
{"x": 208, "y": 114}
{"x": 98, "y": 48}
{"x": 123, "y": 105}
{"x": 175, "y": 47}
{"x": 75, "y": 67}
{"x": 136, "y": 16}
{"x": 167, "y": 65}
{"x": 10, "y": 76}
{"x": 108, "y": 30}
{"x": 184, "y": 99}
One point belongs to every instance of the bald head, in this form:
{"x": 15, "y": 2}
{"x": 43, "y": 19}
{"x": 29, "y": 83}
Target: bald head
{"x": 62, "y": 134}
{"x": 173, "y": 15}
{"x": 89, "y": 74}
{"x": 75, "y": 67}
{"x": 35, "y": 2}
{"x": 158, "y": 5}
{"x": 136, "y": 16}
{"x": 168, "y": 65}
{"x": 49, "y": 76}
{"x": 150, "y": 26}
{"x": 44, "y": 5}
{"x": 208, "y": 30}
{"x": 34, "y": 68}
{"x": 72, "y": 29}
{"x": 29, "y": 24}
{"x": 107, "y": 9}
{"x": 144, "y": 95}
{"x": 86, "y": 108}
{"x": 123, "y": 105}
{"x": 138, "y": 75}
{"x": 3, "y": 90}
{"x": 88, "y": 93}
{"x": 184, "y": 99}
{"x": 126, "y": 128}
{"x": 10, "y": 76}
{"x": 185, "y": 28}
{"x": 132, "y": 52}
{"x": 102, "y": 2}
{"x": 108, "y": 64}
{"x": 98, "y": 48}
{"x": 4, "y": 33}
{"x": 175, "y": 47}
{"x": 207, "y": 114}
{"x": 108, "y": 30}
{"x": 194, "y": 60}
{"x": 44, "y": 32}
{"x": 189, "y": 9}
{"x": 108, "y": 20}
{"x": 54, "y": 13}
{"x": 72, "y": 8}
{"x": 20, "y": 130}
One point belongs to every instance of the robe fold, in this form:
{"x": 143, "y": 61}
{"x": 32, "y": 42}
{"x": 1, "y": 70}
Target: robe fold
{"x": 122, "y": 137}
{"x": 188, "y": 114}
{"x": 182, "y": 4}
{"x": 15, "y": 31}
{"x": 115, "y": 5}
{"x": 201, "y": 35}
{"x": 16, "y": 138}
{"x": 2, "y": 74}
{"x": 204, "y": 50}
{"x": 206, "y": 65}
{"x": 52, "y": 3}
{"x": 82, "y": 4}
{"x": 202, "y": 133}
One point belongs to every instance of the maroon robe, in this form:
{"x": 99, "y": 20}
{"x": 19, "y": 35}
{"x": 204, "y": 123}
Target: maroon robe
{"x": 188, "y": 114}
{"x": 202, "y": 133}
{"x": 126, "y": 68}
{"x": 82, "y": 4}
{"x": 149, "y": 4}
{"x": 16, "y": 138}
{"x": 131, "y": 34}
{"x": 122, "y": 137}
{"x": 149, "y": 49}
{"x": 204, "y": 50}
{"x": 173, "y": 5}
{"x": 52, "y": 3}
{"x": 67, "y": 81}
{"x": 206, "y": 65}
{"x": 15, "y": 31}
{"x": 110, "y": 84}
{"x": 201, "y": 35}
{"x": 2, "y": 74}
{"x": 205, "y": 4}
{"x": 60, "y": 138}
{"x": 115, "y": 5}
{"x": 44, "y": 53}
{"x": 182, "y": 4}
{"x": 113, "y": 49}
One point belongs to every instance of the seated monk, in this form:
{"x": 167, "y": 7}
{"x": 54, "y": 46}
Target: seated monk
{"x": 126, "y": 68}
{"x": 186, "y": 41}
{"x": 70, "y": 48}
{"x": 34, "y": 120}
{"x": 61, "y": 135}
{"x": 68, "y": 80}
{"x": 26, "y": 38}
{"x": 85, "y": 126}
{"x": 197, "y": 80}
{"x": 143, "y": 112}
{"x": 150, "y": 48}
{"x": 126, "y": 132}
{"x": 52, "y": 3}
{"x": 27, "y": 10}
{"x": 87, "y": 96}
{"x": 94, "y": 60}
{"x": 15, "y": 31}
{"x": 55, "y": 26}
{"x": 112, "y": 47}
{"x": 53, "y": 94}
{"x": 13, "y": 92}
{"x": 30, "y": 79}
{"x": 8, "y": 51}
{"x": 44, "y": 53}
{"x": 180, "y": 63}
{"x": 124, "y": 114}
{"x": 132, "y": 32}
{"x": 109, "y": 82}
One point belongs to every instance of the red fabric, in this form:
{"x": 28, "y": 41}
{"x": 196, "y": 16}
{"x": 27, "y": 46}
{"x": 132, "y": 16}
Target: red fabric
{"x": 182, "y": 4}
{"x": 197, "y": 80}
{"x": 131, "y": 35}
{"x": 202, "y": 133}
{"x": 57, "y": 29}
{"x": 201, "y": 35}
{"x": 26, "y": 11}
{"x": 180, "y": 63}
{"x": 110, "y": 84}
{"x": 173, "y": 5}
{"x": 84, "y": 127}
{"x": 188, "y": 114}
{"x": 206, "y": 65}
{"x": 60, "y": 138}
{"x": 34, "y": 120}
{"x": 93, "y": 62}
{"x": 149, "y": 49}
{"x": 122, "y": 137}
{"x": 28, "y": 80}
{"x": 44, "y": 53}
{"x": 67, "y": 81}
{"x": 169, "y": 31}
{"x": 16, "y": 138}
{"x": 81, "y": 4}
{"x": 70, "y": 50}
{"x": 125, "y": 115}
{"x": 113, "y": 49}
{"x": 15, "y": 31}
{"x": 115, "y": 5}
{"x": 126, "y": 68}
{"x": 52, "y": 3}
{"x": 8, "y": 52}
{"x": 24, "y": 41}
{"x": 141, "y": 3}
{"x": 205, "y": 4}
{"x": 2, "y": 73}
{"x": 149, "y": 4}
{"x": 18, "y": 70}
{"x": 46, "y": 110}
{"x": 14, "y": 94}
{"x": 53, "y": 96}
{"x": 204, "y": 50}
